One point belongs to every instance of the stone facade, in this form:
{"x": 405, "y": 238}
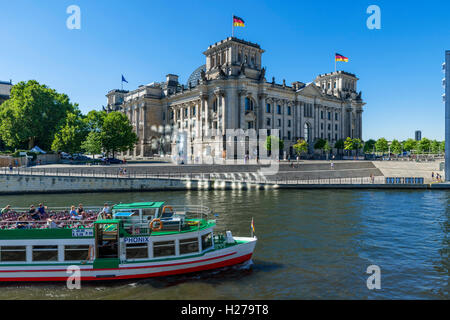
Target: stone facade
{"x": 5, "y": 90}
{"x": 231, "y": 92}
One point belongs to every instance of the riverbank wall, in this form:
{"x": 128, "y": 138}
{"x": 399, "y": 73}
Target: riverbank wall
{"x": 23, "y": 184}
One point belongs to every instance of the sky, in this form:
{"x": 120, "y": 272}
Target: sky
{"x": 399, "y": 65}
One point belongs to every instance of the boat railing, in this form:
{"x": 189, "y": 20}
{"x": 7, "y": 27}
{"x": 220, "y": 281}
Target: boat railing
{"x": 43, "y": 224}
{"x": 191, "y": 211}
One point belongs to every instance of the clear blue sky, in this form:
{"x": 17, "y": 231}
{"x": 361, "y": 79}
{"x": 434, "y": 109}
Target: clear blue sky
{"x": 399, "y": 66}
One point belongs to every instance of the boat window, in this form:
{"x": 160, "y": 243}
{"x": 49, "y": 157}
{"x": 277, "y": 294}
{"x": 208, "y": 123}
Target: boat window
{"x": 188, "y": 245}
{"x": 164, "y": 248}
{"x": 137, "y": 250}
{"x": 45, "y": 253}
{"x": 206, "y": 241}
{"x": 76, "y": 252}
{"x": 13, "y": 253}
{"x": 149, "y": 213}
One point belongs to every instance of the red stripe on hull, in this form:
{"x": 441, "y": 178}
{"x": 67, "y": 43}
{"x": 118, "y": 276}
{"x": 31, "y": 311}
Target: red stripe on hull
{"x": 216, "y": 265}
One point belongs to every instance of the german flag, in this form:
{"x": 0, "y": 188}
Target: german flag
{"x": 340, "y": 57}
{"x": 238, "y": 22}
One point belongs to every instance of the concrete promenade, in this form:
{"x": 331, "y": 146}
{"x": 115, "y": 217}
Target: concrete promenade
{"x": 308, "y": 175}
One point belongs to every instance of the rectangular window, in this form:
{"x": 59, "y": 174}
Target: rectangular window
{"x": 336, "y": 116}
{"x": 45, "y": 253}
{"x": 289, "y": 123}
{"x": 268, "y": 121}
{"x": 76, "y": 252}
{"x": 289, "y": 111}
{"x": 278, "y": 109}
{"x": 289, "y": 135}
{"x": 329, "y": 115}
{"x": 13, "y": 253}
{"x": 268, "y": 108}
{"x": 321, "y": 114}
{"x": 137, "y": 250}
{"x": 329, "y": 126}
{"x": 279, "y": 122}
{"x": 164, "y": 248}
{"x": 188, "y": 245}
{"x": 321, "y": 126}
{"x": 193, "y": 110}
{"x": 335, "y": 127}
{"x": 206, "y": 241}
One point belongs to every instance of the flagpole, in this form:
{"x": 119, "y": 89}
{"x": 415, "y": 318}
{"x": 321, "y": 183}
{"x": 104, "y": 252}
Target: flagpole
{"x": 232, "y": 25}
{"x": 335, "y": 63}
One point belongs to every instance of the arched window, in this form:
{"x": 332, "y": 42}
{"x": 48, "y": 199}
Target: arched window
{"x": 248, "y": 104}
{"x": 306, "y": 131}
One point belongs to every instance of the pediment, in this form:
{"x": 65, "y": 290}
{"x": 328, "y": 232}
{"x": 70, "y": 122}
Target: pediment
{"x": 311, "y": 90}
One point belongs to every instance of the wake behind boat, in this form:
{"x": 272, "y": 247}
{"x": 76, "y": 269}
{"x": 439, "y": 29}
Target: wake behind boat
{"x": 137, "y": 240}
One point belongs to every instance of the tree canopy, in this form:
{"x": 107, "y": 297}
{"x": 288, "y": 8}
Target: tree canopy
{"x": 117, "y": 133}
{"x": 33, "y": 115}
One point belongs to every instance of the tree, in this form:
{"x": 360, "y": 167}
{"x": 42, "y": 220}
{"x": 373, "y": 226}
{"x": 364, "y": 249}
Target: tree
{"x": 274, "y": 139}
{"x": 348, "y": 144}
{"x": 327, "y": 148}
{"x": 339, "y": 145}
{"x": 410, "y": 145}
{"x": 396, "y": 147}
{"x": 70, "y": 137}
{"x": 300, "y": 147}
{"x": 382, "y": 145}
{"x": 117, "y": 133}
{"x": 93, "y": 143}
{"x": 320, "y": 143}
{"x": 33, "y": 115}
{"x": 435, "y": 147}
{"x": 369, "y": 146}
{"x": 424, "y": 145}
{"x": 94, "y": 120}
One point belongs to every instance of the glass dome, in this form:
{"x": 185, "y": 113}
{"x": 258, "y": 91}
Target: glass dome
{"x": 195, "y": 76}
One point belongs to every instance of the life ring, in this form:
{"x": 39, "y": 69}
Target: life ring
{"x": 164, "y": 209}
{"x": 160, "y": 224}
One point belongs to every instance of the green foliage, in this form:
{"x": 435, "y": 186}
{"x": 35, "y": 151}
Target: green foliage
{"x": 410, "y": 145}
{"x": 424, "y": 145}
{"x": 94, "y": 120}
{"x": 33, "y": 115}
{"x": 327, "y": 147}
{"x": 274, "y": 139}
{"x": 117, "y": 133}
{"x": 93, "y": 143}
{"x": 71, "y": 135}
{"x": 381, "y": 145}
{"x": 320, "y": 143}
{"x": 436, "y": 147}
{"x": 339, "y": 144}
{"x": 348, "y": 144}
{"x": 396, "y": 147}
{"x": 301, "y": 147}
{"x": 369, "y": 146}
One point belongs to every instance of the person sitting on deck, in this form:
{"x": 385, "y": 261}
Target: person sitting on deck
{"x": 41, "y": 209}
{"x": 74, "y": 213}
{"x": 34, "y": 213}
{"x": 5, "y": 210}
{"x": 106, "y": 210}
{"x": 50, "y": 223}
{"x": 21, "y": 224}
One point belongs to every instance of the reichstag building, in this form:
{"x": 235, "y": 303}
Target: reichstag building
{"x": 230, "y": 91}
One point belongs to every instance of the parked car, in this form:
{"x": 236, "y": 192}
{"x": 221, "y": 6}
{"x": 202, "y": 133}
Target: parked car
{"x": 112, "y": 161}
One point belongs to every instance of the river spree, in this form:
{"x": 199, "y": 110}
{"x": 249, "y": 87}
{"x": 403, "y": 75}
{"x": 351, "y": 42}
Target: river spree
{"x": 313, "y": 244}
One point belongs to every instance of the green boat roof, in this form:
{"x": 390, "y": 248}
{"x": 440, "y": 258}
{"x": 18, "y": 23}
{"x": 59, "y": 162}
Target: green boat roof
{"x": 138, "y": 205}
{"x": 107, "y": 221}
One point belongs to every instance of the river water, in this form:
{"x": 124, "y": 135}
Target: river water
{"x": 313, "y": 244}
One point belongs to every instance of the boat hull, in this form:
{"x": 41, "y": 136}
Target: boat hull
{"x": 214, "y": 259}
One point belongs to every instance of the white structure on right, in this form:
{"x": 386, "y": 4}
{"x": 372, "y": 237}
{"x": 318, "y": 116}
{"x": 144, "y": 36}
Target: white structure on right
{"x": 447, "y": 115}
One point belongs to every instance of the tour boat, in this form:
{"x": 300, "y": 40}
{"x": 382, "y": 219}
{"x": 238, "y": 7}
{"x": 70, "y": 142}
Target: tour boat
{"x": 138, "y": 240}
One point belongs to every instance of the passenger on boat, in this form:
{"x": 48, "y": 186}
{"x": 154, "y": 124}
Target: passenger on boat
{"x": 50, "y": 223}
{"x": 5, "y": 210}
{"x": 41, "y": 209}
{"x": 106, "y": 210}
{"x": 34, "y": 213}
{"x": 74, "y": 213}
{"x": 80, "y": 210}
{"x": 21, "y": 224}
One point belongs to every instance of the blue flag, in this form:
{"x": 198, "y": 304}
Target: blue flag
{"x": 123, "y": 79}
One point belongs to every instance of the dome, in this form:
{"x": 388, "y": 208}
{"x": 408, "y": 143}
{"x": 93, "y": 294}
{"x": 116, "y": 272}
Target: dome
{"x": 195, "y": 76}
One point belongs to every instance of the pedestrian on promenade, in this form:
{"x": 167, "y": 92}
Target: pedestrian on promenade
{"x": 332, "y": 165}
{"x": 10, "y": 167}
{"x": 432, "y": 176}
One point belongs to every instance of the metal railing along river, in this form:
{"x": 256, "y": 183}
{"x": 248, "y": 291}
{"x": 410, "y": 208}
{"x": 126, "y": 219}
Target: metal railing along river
{"x": 232, "y": 177}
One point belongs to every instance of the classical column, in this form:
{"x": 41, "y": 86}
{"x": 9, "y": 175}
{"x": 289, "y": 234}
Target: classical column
{"x": 241, "y": 104}
{"x": 144, "y": 131}
{"x": 262, "y": 104}
{"x": 198, "y": 112}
